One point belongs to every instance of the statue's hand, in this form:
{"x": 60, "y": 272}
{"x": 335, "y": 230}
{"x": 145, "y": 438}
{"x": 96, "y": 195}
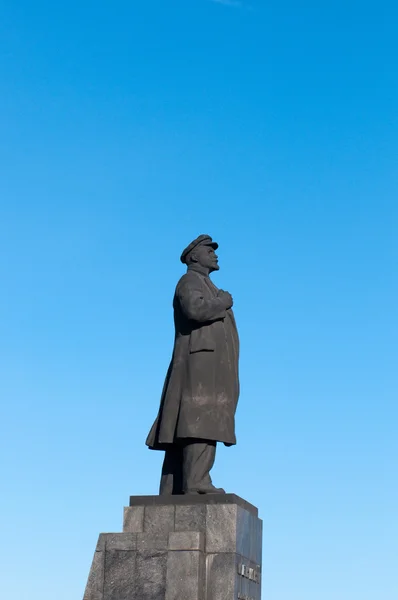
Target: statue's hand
{"x": 226, "y": 298}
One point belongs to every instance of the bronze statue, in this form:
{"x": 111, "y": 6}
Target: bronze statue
{"x": 201, "y": 390}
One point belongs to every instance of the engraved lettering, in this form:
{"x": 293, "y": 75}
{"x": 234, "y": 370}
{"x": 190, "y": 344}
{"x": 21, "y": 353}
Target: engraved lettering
{"x": 244, "y": 597}
{"x": 250, "y": 573}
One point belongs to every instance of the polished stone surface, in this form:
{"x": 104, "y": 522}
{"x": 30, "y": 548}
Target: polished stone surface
{"x": 119, "y": 572}
{"x": 150, "y": 581}
{"x": 191, "y": 517}
{"x": 192, "y": 499}
{"x": 186, "y": 540}
{"x": 95, "y": 583}
{"x": 185, "y": 575}
{"x": 185, "y": 550}
{"x": 134, "y": 519}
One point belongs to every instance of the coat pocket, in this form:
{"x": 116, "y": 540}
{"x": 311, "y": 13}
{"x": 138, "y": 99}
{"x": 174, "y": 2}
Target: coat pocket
{"x": 201, "y": 340}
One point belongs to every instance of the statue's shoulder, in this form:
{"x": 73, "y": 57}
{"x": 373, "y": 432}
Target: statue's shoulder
{"x": 189, "y": 279}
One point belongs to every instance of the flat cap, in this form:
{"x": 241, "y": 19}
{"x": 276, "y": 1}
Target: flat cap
{"x": 202, "y": 240}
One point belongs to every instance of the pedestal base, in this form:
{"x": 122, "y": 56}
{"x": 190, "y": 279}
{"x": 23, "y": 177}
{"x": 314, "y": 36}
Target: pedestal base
{"x": 180, "y": 548}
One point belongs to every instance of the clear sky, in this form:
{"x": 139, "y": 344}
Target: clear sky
{"x": 126, "y": 130}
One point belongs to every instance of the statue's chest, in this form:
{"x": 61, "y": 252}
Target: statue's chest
{"x": 211, "y": 288}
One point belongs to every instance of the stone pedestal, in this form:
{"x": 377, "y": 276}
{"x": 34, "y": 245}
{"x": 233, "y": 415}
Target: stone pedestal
{"x": 180, "y": 548}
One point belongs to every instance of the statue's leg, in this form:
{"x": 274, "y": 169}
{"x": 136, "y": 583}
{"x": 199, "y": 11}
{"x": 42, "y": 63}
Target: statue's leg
{"x": 171, "y": 479}
{"x": 198, "y": 460}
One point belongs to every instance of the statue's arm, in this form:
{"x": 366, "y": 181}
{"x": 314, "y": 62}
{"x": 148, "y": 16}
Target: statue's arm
{"x": 197, "y": 308}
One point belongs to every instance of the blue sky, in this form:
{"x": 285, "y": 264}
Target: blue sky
{"x": 127, "y": 129}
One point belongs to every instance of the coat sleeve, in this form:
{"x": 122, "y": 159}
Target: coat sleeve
{"x": 196, "y": 307}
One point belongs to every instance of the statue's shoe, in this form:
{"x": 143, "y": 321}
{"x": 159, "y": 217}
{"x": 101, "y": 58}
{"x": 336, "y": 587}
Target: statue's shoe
{"x": 206, "y": 490}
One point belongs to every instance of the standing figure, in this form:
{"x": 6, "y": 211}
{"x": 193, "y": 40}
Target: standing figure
{"x": 201, "y": 390}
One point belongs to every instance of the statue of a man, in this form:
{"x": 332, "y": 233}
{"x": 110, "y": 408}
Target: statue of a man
{"x": 201, "y": 390}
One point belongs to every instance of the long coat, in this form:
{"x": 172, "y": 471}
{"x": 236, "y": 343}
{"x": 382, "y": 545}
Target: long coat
{"x": 201, "y": 390}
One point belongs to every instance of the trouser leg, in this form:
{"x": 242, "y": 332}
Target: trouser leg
{"x": 198, "y": 460}
{"x": 171, "y": 479}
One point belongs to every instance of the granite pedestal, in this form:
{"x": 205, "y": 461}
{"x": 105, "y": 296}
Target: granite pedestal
{"x": 180, "y": 548}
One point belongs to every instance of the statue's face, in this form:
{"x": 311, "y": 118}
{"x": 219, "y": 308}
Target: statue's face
{"x": 206, "y": 257}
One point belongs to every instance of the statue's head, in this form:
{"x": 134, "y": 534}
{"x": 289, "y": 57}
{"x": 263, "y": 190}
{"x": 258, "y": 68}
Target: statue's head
{"x": 201, "y": 252}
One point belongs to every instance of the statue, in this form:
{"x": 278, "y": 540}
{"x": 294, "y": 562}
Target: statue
{"x": 201, "y": 390}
